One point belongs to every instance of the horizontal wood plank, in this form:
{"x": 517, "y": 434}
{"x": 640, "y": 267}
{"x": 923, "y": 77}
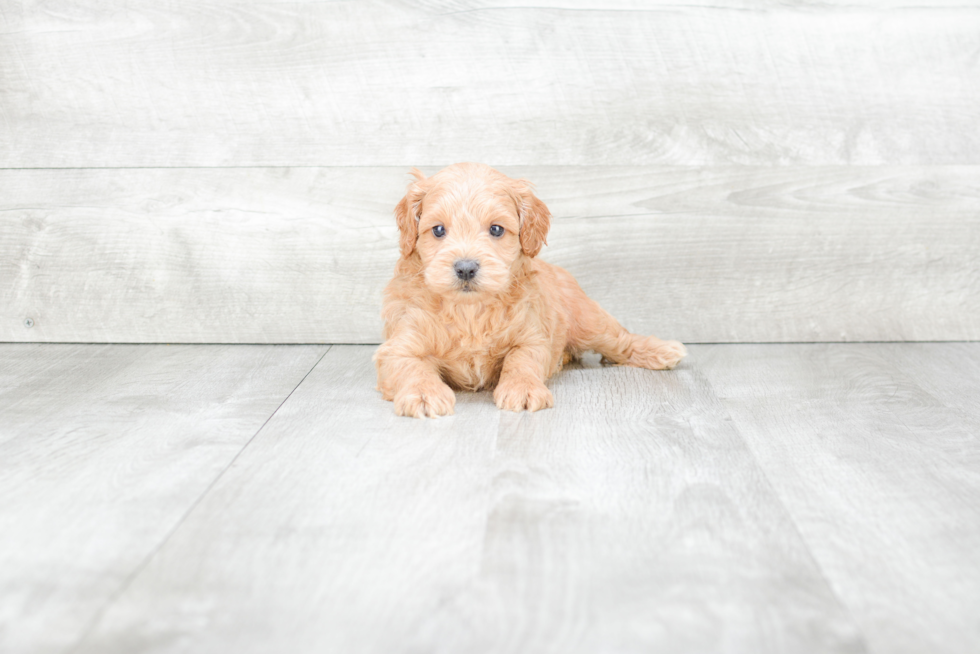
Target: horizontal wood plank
{"x": 103, "y": 450}
{"x": 631, "y": 517}
{"x": 219, "y": 83}
{"x": 727, "y": 254}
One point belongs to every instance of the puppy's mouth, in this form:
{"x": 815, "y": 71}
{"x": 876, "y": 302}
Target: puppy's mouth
{"x": 467, "y": 287}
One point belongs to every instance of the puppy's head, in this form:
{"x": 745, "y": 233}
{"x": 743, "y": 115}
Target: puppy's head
{"x": 471, "y": 226}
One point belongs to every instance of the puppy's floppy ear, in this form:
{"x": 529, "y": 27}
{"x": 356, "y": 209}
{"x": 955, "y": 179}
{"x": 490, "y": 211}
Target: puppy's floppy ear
{"x": 535, "y": 218}
{"x": 407, "y": 213}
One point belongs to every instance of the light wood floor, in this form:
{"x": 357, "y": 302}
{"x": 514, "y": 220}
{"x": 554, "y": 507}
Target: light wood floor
{"x": 761, "y": 498}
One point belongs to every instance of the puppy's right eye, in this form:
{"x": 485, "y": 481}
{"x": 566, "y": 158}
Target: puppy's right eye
{"x": 438, "y": 231}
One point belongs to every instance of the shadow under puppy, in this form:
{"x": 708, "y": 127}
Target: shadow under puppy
{"x": 470, "y": 307}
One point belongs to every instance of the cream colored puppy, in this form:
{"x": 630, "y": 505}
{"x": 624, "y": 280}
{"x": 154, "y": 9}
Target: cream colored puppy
{"x": 470, "y": 307}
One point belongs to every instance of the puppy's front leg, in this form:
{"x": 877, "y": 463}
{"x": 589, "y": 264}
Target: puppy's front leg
{"x": 521, "y": 384}
{"x": 414, "y": 385}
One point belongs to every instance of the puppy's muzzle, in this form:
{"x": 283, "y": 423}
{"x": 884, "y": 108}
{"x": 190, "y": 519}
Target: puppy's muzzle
{"x": 466, "y": 269}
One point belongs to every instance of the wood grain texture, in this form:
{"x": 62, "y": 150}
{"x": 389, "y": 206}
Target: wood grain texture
{"x": 881, "y": 476}
{"x": 947, "y": 371}
{"x": 103, "y": 449}
{"x": 728, "y": 254}
{"x": 630, "y": 518}
{"x": 340, "y": 529}
{"x": 228, "y": 83}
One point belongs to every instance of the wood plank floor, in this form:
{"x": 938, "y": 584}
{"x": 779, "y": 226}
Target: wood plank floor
{"x": 761, "y": 498}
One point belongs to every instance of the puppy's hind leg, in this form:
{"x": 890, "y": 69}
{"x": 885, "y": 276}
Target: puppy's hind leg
{"x": 594, "y": 329}
{"x": 653, "y": 353}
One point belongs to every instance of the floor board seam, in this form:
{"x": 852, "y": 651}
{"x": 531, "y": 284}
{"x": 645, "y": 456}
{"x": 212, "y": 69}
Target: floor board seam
{"x": 131, "y": 577}
{"x": 845, "y": 608}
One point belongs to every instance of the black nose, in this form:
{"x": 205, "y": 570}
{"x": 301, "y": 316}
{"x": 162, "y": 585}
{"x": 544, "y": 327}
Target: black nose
{"x": 466, "y": 269}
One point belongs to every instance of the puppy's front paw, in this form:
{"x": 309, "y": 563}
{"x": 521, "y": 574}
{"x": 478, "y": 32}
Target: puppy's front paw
{"x": 655, "y": 354}
{"x": 429, "y": 399}
{"x": 521, "y": 394}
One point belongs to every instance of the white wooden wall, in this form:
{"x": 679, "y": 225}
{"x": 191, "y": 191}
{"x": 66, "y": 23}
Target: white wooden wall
{"x": 225, "y": 170}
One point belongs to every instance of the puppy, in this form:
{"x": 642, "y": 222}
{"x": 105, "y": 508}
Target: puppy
{"x": 471, "y": 307}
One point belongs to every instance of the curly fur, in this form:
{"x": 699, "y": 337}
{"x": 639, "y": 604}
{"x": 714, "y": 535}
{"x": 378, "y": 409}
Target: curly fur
{"x": 512, "y": 326}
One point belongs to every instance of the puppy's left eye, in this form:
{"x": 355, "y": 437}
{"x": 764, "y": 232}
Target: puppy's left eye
{"x": 496, "y": 230}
